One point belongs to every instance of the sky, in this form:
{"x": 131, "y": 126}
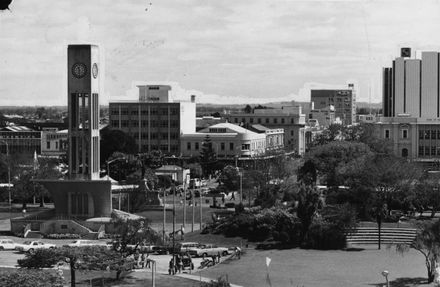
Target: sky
{"x": 232, "y": 52}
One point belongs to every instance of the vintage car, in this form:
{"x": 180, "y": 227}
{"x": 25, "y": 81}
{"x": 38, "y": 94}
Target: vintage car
{"x": 204, "y": 250}
{"x": 31, "y": 246}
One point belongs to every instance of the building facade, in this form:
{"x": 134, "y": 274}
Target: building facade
{"x": 20, "y": 140}
{"x": 228, "y": 141}
{"x": 289, "y": 118}
{"x": 154, "y": 121}
{"x": 343, "y": 101}
{"x": 411, "y": 106}
{"x": 411, "y": 86}
{"x": 54, "y": 142}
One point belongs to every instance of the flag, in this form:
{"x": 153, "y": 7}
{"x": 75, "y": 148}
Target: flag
{"x": 268, "y": 261}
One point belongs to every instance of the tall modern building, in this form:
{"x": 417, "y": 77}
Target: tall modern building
{"x": 156, "y": 122}
{"x": 411, "y": 106}
{"x": 343, "y": 101}
{"x": 411, "y": 86}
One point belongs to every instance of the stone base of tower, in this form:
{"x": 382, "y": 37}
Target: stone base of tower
{"x": 80, "y": 198}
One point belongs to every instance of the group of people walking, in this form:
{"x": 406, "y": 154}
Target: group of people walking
{"x": 141, "y": 260}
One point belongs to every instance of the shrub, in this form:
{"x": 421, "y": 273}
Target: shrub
{"x": 324, "y": 236}
{"x": 63, "y": 236}
{"x": 221, "y": 282}
{"x": 30, "y": 278}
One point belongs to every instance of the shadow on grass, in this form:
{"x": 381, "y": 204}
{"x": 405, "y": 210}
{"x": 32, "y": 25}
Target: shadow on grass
{"x": 404, "y": 282}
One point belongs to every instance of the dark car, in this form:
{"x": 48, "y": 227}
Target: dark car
{"x": 162, "y": 250}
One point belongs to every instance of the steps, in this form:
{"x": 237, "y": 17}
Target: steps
{"x": 389, "y": 235}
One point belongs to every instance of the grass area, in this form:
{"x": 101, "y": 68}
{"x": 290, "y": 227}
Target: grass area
{"x": 300, "y": 267}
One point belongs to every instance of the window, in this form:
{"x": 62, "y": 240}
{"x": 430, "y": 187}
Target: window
{"x": 196, "y": 146}
{"x": 433, "y": 150}
{"x": 405, "y": 134}
{"x": 222, "y": 146}
{"x": 275, "y": 120}
{"x": 56, "y": 145}
{"x": 245, "y": 146}
{"x": 164, "y": 136}
{"x": 188, "y": 146}
{"x": 421, "y": 135}
{"x": 420, "y": 151}
{"x": 427, "y": 135}
{"x": 114, "y": 124}
{"x": 433, "y": 134}
{"x": 134, "y": 113}
{"x": 291, "y": 132}
{"x": 231, "y": 146}
{"x": 236, "y": 120}
{"x": 426, "y": 150}
{"x": 387, "y": 134}
{"x": 283, "y": 120}
{"x": 48, "y": 145}
{"x": 404, "y": 152}
{"x": 144, "y": 112}
{"x": 267, "y": 120}
{"x": 251, "y": 120}
{"x": 259, "y": 120}
{"x": 144, "y": 123}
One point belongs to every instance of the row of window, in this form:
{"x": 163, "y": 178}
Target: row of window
{"x": 266, "y": 120}
{"x": 153, "y": 111}
{"x": 162, "y": 147}
{"x": 429, "y": 134}
{"x": 403, "y": 134}
{"x": 429, "y": 150}
{"x": 198, "y": 145}
{"x": 144, "y": 123}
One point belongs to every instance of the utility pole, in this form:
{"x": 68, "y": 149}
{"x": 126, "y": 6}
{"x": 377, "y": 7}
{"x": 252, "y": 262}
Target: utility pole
{"x": 173, "y": 189}
{"x": 184, "y": 199}
{"x": 200, "y": 192}
{"x": 193, "y": 207}
{"x": 164, "y": 217}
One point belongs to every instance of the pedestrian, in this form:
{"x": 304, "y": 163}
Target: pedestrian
{"x": 143, "y": 260}
{"x": 136, "y": 259}
{"x": 214, "y": 259}
{"x": 148, "y": 261}
{"x": 179, "y": 264}
{"x": 171, "y": 267}
{"x": 238, "y": 252}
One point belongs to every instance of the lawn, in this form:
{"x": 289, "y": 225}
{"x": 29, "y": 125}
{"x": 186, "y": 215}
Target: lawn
{"x": 300, "y": 267}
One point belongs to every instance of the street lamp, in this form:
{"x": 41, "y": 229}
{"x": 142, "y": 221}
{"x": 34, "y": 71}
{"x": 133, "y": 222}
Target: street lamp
{"x": 385, "y": 274}
{"x": 9, "y": 174}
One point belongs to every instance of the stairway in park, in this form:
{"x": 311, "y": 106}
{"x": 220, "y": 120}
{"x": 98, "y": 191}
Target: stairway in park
{"x": 389, "y": 235}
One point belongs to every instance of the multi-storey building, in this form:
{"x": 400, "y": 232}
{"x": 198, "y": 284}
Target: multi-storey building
{"x": 289, "y": 118}
{"x": 228, "y": 141}
{"x": 54, "y": 142}
{"x": 343, "y": 101}
{"x": 155, "y": 121}
{"x": 411, "y": 103}
{"x": 20, "y": 139}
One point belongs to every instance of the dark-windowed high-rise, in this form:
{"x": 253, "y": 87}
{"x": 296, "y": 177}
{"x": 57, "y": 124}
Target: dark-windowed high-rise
{"x": 155, "y": 121}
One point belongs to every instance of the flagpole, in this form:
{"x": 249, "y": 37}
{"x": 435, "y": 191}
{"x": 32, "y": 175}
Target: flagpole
{"x": 268, "y": 260}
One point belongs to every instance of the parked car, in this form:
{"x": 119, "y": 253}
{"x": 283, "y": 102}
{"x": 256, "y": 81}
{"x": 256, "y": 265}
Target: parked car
{"x": 186, "y": 246}
{"x": 161, "y": 250}
{"x": 82, "y": 242}
{"x": 7, "y": 244}
{"x": 31, "y": 246}
{"x": 141, "y": 247}
{"x": 208, "y": 250}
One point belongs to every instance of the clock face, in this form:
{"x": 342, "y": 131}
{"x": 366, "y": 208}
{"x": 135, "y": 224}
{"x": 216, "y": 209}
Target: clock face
{"x": 79, "y": 70}
{"x": 95, "y": 70}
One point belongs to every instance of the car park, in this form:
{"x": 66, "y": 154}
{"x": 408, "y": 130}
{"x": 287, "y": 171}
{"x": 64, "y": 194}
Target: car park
{"x": 208, "y": 250}
{"x": 7, "y": 244}
{"x": 31, "y": 246}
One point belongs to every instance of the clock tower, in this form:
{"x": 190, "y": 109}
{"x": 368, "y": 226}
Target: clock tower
{"x": 83, "y": 111}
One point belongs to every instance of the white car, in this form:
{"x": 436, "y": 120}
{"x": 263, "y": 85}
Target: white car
{"x": 7, "y": 244}
{"x": 208, "y": 250}
{"x": 31, "y": 246}
{"x": 82, "y": 242}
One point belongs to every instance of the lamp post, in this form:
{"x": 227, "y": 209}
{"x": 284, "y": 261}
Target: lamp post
{"x": 385, "y": 274}
{"x": 9, "y": 174}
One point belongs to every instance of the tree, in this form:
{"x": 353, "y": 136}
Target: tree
{"x": 87, "y": 257}
{"x": 309, "y": 202}
{"x": 115, "y": 141}
{"x": 132, "y": 232}
{"x": 329, "y": 158}
{"x": 427, "y": 242}
{"x": 230, "y": 178}
{"x": 247, "y": 109}
{"x": 208, "y": 158}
